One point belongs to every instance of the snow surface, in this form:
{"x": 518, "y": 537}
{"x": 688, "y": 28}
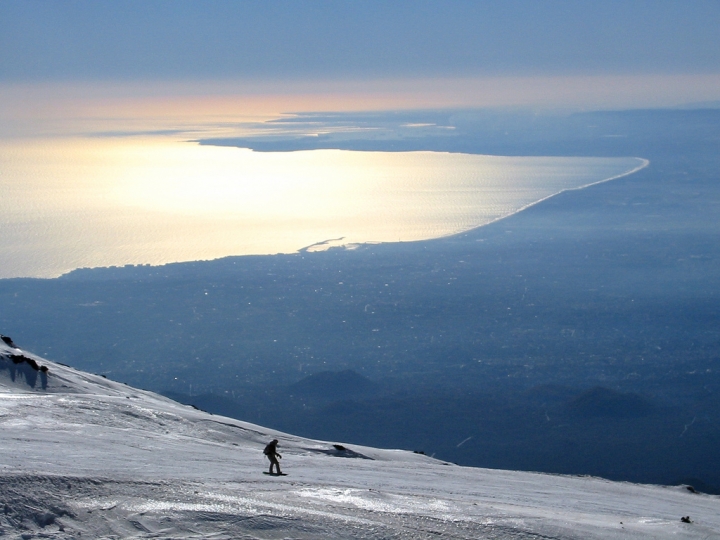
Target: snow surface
{"x": 85, "y": 457}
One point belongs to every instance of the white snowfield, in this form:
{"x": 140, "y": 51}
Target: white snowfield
{"x": 85, "y": 457}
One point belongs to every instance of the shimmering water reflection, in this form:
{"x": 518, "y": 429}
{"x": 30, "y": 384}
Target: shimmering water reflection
{"x": 81, "y": 203}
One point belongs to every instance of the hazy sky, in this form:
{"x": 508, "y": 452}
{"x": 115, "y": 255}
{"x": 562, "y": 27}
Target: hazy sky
{"x": 177, "y": 39}
{"x": 88, "y": 59}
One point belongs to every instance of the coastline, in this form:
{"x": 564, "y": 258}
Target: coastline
{"x": 134, "y": 245}
{"x": 644, "y": 163}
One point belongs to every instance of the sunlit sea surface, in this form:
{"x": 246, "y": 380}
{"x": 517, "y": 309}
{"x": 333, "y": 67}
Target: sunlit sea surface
{"x": 71, "y": 203}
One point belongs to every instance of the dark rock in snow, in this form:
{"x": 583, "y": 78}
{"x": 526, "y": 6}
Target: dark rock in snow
{"x": 19, "y": 358}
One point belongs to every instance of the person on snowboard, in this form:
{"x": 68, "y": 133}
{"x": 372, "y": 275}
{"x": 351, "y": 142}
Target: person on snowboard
{"x": 272, "y": 454}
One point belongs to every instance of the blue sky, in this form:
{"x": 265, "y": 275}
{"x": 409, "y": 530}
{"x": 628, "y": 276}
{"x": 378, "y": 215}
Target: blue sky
{"x": 181, "y": 40}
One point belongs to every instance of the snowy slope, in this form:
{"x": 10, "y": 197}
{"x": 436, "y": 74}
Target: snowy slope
{"x": 84, "y": 457}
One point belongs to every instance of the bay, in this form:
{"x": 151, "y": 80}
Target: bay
{"x": 68, "y": 203}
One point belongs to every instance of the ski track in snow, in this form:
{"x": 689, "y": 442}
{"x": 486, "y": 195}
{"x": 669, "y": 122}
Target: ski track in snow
{"x": 86, "y": 457}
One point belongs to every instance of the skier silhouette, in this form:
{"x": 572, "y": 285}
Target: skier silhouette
{"x": 272, "y": 454}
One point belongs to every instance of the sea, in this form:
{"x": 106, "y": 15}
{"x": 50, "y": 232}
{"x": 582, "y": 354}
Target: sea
{"x": 68, "y": 203}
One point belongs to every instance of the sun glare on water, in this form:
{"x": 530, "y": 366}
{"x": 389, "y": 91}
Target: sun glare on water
{"x": 98, "y": 202}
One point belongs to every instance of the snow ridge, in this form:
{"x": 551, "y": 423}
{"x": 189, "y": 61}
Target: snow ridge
{"x": 85, "y": 457}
